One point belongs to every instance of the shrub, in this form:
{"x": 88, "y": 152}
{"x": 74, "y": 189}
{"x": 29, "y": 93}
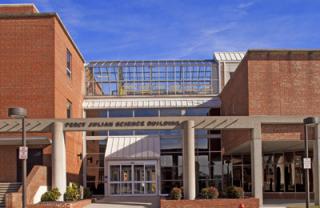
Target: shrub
{"x": 87, "y": 193}
{"x": 209, "y": 193}
{"x": 234, "y": 192}
{"x": 51, "y": 195}
{"x": 176, "y": 193}
{"x": 72, "y": 193}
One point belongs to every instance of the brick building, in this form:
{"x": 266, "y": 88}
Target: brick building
{"x": 42, "y": 70}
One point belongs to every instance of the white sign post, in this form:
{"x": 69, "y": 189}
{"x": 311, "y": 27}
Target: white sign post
{"x": 23, "y": 153}
{"x": 307, "y": 163}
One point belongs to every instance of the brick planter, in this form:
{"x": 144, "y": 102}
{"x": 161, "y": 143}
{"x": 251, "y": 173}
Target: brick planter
{"x": 210, "y": 203}
{"x": 75, "y": 204}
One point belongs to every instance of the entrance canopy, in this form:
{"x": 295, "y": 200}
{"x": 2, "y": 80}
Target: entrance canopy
{"x": 148, "y": 123}
{"x": 133, "y": 147}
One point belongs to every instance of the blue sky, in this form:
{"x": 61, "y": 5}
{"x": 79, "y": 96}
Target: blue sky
{"x": 184, "y": 29}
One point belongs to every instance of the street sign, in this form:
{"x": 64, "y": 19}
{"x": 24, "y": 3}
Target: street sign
{"x": 23, "y": 153}
{"x": 307, "y": 163}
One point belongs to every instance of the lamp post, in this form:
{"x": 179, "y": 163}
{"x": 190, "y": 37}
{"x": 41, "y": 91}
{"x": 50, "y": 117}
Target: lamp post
{"x": 21, "y": 113}
{"x": 310, "y": 121}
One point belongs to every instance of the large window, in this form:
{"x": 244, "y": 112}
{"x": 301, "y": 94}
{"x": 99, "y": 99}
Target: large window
{"x": 68, "y": 64}
{"x": 136, "y": 78}
{"x": 208, "y": 147}
{"x": 237, "y": 171}
{"x": 282, "y": 172}
{"x": 132, "y": 179}
{"x": 95, "y": 166}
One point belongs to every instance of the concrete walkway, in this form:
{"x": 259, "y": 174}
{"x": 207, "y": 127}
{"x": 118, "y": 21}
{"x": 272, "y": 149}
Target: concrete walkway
{"x": 278, "y": 203}
{"x": 130, "y": 201}
{"x": 153, "y": 202}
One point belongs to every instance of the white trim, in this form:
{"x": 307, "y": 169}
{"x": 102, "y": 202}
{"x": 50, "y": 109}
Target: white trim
{"x": 178, "y": 102}
{"x": 35, "y": 140}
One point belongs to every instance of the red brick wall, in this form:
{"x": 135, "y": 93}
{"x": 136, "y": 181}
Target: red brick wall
{"x": 69, "y": 90}
{"x": 76, "y": 204}
{"x": 284, "y": 84}
{"x": 234, "y": 98}
{"x": 278, "y": 83}
{"x": 234, "y": 95}
{"x": 27, "y": 66}
{"x": 18, "y": 9}
{"x": 216, "y": 203}
{"x": 8, "y": 167}
{"x": 33, "y": 76}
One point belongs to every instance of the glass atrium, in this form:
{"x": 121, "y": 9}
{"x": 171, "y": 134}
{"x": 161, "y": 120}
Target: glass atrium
{"x": 165, "y": 77}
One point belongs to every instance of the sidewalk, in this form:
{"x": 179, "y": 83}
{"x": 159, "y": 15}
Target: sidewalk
{"x": 122, "y": 202}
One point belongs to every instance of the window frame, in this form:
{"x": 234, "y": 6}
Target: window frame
{"x": 69, "y": 109}
{"x": 69, "y": 64}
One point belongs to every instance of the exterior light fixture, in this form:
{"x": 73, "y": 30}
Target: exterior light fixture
{"x": 21, "y": 113}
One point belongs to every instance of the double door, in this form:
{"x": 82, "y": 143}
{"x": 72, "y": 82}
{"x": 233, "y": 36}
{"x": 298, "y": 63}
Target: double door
{"x": 132, "y": 178}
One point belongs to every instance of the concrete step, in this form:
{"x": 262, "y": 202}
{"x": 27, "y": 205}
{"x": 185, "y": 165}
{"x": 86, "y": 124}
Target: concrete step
{"x": 7, "y": 188}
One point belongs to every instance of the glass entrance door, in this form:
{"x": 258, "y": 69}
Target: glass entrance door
{"x": 132, "y": 178}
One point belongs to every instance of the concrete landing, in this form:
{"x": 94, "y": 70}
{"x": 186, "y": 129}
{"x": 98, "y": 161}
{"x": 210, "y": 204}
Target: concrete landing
{"x": 284, "y": 203}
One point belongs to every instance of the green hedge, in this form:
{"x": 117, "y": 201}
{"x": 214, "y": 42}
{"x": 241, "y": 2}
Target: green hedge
{"x": 51, "y": 195}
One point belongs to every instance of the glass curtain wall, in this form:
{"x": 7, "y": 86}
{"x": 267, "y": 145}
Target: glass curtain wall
{"x": 208, "y": 147}
{"x": 282, "y": 172}
{"x": 135, "y": 78}
{"x": 95, "y": 166}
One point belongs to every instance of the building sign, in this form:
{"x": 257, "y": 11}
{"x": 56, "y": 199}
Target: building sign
{"x": 134, "y": 123}
{"x": 307, "y": 163}
{"x": 119, "y": 124}
{"x": 23, "y": 153}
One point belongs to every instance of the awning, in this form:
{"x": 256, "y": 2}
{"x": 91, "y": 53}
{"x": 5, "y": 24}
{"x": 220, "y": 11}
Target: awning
{"x": 30, "y": 141}
{"x": 133, "y": 147}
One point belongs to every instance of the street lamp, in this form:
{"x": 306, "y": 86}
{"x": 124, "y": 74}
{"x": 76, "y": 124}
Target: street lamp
{"x": 21, "y": 113}
{"x": 310, "y": 121}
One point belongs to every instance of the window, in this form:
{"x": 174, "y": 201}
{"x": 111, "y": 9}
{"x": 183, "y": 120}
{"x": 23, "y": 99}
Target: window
{"x": 116, "y": 113}
{"x": 69, "y": 58}
{"x": 231, "y": 74}
{"x": 69, "y": 109}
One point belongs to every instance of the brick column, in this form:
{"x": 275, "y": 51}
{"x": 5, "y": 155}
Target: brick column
{"x": 256, "y": 164}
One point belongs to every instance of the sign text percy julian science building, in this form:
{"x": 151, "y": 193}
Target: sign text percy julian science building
{"x": 119, "y": 124}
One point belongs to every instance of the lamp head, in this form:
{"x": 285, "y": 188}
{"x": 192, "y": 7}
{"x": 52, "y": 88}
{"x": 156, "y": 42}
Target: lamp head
{"x": 17, "y": 112}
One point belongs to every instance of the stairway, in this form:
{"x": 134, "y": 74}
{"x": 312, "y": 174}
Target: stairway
{"x": 7, "y": 188}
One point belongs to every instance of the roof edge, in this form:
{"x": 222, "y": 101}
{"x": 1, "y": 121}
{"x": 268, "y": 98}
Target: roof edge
{"x": 20, "y": 4}
{"x": 46, "y": 15}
